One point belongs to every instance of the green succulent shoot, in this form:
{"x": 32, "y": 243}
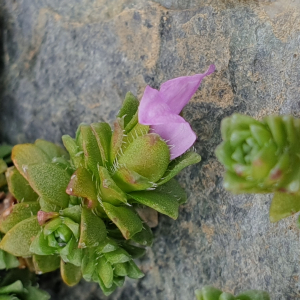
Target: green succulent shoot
{"x": 211, "y": 293}
{"x": 5, "y": 160}
{"x": 263, "y": 157}
{"x": 21, "y": 285}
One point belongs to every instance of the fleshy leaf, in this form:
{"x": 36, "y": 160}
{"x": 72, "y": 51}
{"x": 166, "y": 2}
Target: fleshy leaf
{"x": 50, "y": 149}
{"x": 125, "y": 219}
{"x": 284, "y": 205}
{"x": 116, "y": 139}
{"x": 176, "y": 165}
{"x": 129, "y": 180}
{"x": 118, "y": 256}
{"x": 133, "y": 271}
{"x": 207, "y": 293}
{"x": 105, "y": 271}
{"x": 19, "y": 186}
{"x": 83, "y": 185}
{"x": 147, "y": 155}
{"x": 17, "y": 213}
{"x": 110, "y": 192}
{"x": 253, "y": 295}
{"x": 17, "y": 240}
{"x": 92, "y": 155}
{"x": 46, "y": 263}
{"x": 24, "y": 155}
{"x": 102, "y": 132}
{"x": 74, "y": 151}
{"x": 129, "y": 108}
{"x": 40, "y": 245}
{"x": 50, "y": 182}
{"x": 70, "y": 273}
{"x": 92, "y": 229}
{"x": 144, "y": 237}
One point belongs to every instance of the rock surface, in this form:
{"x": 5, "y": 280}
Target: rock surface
{"x": 72, "y": 61}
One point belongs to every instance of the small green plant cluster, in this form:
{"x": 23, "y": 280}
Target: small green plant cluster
{"x": 263, "y": 157}
{"x": 78, "y": 210}
{"x": 211, "y": 293}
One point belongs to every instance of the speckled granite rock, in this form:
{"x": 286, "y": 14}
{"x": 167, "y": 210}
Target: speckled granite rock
{"x": 71, "y": 61}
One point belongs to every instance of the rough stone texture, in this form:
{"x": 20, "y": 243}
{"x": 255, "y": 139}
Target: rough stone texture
{"x": 70, "y": 61}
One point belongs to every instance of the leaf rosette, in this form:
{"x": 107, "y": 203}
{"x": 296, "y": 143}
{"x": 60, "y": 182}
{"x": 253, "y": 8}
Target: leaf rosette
{"x": 263, "y": 157}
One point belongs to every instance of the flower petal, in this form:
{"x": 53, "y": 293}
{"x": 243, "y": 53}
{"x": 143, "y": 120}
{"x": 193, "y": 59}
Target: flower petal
{"x": 178, "y": 92}
{"x": 153, "y": 110}
{"x": 179, "y": 136}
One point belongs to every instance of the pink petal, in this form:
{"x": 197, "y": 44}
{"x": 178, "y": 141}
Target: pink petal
{"x": 153, "y": 110}
{"x": 176, "y": 93}
{"x": 179, "y": 136}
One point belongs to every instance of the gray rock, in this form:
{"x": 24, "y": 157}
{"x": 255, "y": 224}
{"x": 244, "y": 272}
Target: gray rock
{"x": 72, "y": 61}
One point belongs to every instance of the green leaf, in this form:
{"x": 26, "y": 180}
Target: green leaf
{"x": 208, "y": 293}
{"x": 147, "y": 155}
{"x": 40, "y": 245}
{"x": 110, "y": 192}
{"x": 35, "y": 293}
{"x": 133, "y": 271}
{"x": 76, "y": 154}
{"x": 107, "y": 245}
{"x": 116, "y": 139}
{"x": 92, "y": 155}
{"x": 129, "y": 108}
{"x": 129, "y": 180}
{"x": 24, "y": 155}
{"x": 3, "y": 166}
{"x": 284, "y": 205}
{"x": 144, "y": 237}
{"x": 121, "y": 269}
{"x": 276, "y": 127}
{"x": 161, "y": 201}
{"x": 50, "y": 149}
{"x": 88, "y": 263}
{"x": 253, "y": 295}
{"x": 106, "y": 291}
{"x": 132, "y": 123}
{"x": 83, "y": 185}
{"x": 135, "y": 132}
{"x": 176, "y": 165}
{"x": 19, "y": 186}
{"x": 105, "y": 271}
{"x": 16, "y": 287}
{"x": 17, "y": 213}
{"x": 124, "y": 218}
{"x": 70, "y": 273}
{"x": 118, "y": 256}
{"x": 46, "y": 263}
{"x": 103, "y": 133}
{"x": 135, "y": 252}
{"x": 17, "y": 240}
{"x": 74, "y": 213}
{"x": 172, "y": 187}
{"x": 5, "y": 150}
{"x": 50, "y": 182}
{"x": 119, "y": 281}
{"x": 71, "y": 253}
{"x": 92, "y": 229}
{"x": 226, "y": 296}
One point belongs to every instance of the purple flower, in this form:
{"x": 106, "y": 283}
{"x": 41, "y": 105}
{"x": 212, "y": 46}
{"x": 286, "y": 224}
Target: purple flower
{"x": 160, "y": 109}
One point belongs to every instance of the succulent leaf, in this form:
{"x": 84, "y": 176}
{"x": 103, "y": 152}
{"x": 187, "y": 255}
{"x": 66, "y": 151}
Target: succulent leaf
{"x": 129, "y": 108}
{"x": 18, "y": 239}
{"x": 70, "y": 273}
{"x": 49, "y": 181}
{"x": 19, "y": 186}
{"x": 17, "y": 213}
{"x": 93, "y": 230}
{"x": 124, "y": 218}
{"x": 178, "y": 164}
